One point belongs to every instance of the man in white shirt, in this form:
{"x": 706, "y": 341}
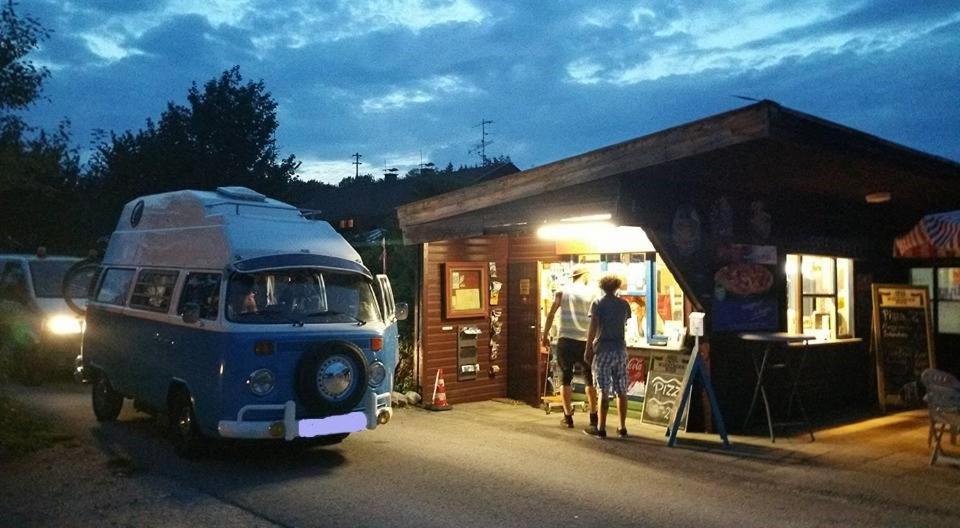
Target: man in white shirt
{"x": 574, "y": 303}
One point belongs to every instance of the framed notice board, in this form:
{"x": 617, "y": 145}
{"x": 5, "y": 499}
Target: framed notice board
{"x": 465, "y": 289}
{"x": 902, "y": 341}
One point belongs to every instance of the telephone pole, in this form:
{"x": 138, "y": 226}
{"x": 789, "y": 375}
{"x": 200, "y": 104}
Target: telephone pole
{"x": 357, "y": 163}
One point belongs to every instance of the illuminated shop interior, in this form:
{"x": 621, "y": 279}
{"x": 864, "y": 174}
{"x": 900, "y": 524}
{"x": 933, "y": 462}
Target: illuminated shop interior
{"x": 627, "y": 252}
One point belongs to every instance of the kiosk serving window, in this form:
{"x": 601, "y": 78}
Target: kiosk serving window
{"x": 820, "y": 296}
{"x": 654, "y": 295}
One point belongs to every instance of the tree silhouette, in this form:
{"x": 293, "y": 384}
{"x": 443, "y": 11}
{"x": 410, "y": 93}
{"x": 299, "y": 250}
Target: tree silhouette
{"x": 39, "y": 171}
{"x": 225, "y": 135}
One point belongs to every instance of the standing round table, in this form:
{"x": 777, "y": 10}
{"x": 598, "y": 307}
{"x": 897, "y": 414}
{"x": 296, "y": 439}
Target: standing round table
{"x": 762, "y": 365}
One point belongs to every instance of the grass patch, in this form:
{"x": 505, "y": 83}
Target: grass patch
{"x": 23, "y": 432}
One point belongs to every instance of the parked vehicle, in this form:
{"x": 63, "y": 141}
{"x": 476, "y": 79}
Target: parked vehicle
{"x": 38, "y": 332}
{"x": 239, "y": 318}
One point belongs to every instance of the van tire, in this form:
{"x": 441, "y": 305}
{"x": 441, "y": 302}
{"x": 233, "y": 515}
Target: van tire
{"x": 333, "y": 355}
{"x": 188, "y": 440}
{"x": 107, "y": 402}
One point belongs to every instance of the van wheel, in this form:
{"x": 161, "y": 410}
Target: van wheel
{"x": 187, "y": 439}
{"x": 107, "y": 402}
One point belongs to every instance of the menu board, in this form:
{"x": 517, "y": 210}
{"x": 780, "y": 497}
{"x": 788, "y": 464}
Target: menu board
{"x": 664, "y": 386}
{"x": 902, "y": 340}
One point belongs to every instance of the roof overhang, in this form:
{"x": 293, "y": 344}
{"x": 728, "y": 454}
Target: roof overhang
{"x": 765, "y": 147}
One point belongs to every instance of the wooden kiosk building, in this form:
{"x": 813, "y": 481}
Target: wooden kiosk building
{"x": 763, "y": 217}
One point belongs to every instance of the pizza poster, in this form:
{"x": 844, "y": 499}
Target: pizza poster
{"x": 743, "y": 296}
{"x": 664, "y": 384}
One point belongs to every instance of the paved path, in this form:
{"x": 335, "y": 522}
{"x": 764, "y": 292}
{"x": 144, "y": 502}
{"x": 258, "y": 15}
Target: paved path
{"x": 485, "y": 464}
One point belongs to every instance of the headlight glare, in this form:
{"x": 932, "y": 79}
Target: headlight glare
{"x": 261, "y": 382}
{"x": 61, "y": 324}
{"x": 376, "y": 373}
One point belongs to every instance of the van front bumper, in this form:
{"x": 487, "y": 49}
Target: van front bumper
{"x": 376, "y": 409}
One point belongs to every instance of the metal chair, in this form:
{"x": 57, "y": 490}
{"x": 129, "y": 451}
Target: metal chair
{"x": 943, "y": 404}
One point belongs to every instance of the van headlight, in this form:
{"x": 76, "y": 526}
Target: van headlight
{"x": 261, "y": 382}
{"x": 61, "y": 324}
{"x": 376, "y": 373}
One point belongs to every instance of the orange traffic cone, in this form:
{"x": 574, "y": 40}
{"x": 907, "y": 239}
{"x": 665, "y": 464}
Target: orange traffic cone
{"x": 439, "y": 394}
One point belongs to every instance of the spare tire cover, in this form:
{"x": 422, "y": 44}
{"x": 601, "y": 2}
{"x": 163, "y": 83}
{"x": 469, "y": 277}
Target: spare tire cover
{"x": 332, "y": 377}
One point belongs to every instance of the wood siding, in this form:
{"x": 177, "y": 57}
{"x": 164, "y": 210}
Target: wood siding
{"x": 439, "y": 345}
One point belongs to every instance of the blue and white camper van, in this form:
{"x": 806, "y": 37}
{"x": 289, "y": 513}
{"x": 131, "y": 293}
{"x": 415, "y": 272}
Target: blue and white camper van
{"x": 239, "y": 318}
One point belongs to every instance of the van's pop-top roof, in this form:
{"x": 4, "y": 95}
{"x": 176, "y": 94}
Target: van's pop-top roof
{"x": 234, "y": 227}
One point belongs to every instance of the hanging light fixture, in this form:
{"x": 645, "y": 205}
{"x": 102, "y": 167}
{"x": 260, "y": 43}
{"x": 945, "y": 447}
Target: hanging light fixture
{"x": 878, "y": 197}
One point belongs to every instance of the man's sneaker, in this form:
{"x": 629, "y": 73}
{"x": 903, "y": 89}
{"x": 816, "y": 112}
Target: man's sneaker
{"x": 594, "y": 432}
{"x": 567, "y": 421}
{"x": 622, "y": 433}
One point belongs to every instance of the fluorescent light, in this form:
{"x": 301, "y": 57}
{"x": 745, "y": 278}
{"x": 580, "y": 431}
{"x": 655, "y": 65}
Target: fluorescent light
{"x": 588, "y": 218}
{"x": 878, "y": 197}
{"x": 573, "y": 230}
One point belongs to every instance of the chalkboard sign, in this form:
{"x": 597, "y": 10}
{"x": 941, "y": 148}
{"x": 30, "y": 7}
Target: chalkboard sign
{"x": 664, "y": 386}
{"x": 902, "y": 341}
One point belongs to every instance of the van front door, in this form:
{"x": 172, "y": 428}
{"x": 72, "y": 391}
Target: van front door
{"x": 388, "y": 307}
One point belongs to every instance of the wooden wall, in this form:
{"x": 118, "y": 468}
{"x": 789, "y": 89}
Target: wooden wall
{"x": 439, "y": 346}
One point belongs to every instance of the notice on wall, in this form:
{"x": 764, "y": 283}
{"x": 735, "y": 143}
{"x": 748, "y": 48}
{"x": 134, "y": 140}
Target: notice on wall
{"x": 663, "y": 389}
{"x": 902, "y": 341}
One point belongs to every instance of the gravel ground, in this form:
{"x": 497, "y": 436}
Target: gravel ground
{"x": 79, "y": 483}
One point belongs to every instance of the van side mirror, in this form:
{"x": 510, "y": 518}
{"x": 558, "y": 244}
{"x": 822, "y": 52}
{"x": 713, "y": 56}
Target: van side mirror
{"x": 403, "y": 311}
{"x": 191, "y": 313}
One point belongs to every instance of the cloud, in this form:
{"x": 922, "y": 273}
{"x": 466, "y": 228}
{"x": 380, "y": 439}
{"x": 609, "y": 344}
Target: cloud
{"x": 697, "y": 41}
{"x": 426, "y": 91}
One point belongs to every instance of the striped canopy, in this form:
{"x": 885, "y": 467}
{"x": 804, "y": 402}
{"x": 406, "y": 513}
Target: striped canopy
{"x": 936, "y": 235}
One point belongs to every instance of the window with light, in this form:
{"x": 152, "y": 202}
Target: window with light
{"x": 820, "y": 296}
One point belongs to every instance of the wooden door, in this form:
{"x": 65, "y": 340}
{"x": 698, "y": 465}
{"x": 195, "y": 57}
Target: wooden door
{"x": 523, "y": 331}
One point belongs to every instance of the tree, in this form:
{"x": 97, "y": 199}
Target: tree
{"x": 40, "y": 171}
{"x": 20, "y": 79}
{"x": 225, "y": 135}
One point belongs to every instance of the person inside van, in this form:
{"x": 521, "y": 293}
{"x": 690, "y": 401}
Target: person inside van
{"x": 242, "y": 297}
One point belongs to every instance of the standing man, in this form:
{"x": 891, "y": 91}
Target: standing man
{"x": 574, "y": 305}
{"x": 607, "y": 353}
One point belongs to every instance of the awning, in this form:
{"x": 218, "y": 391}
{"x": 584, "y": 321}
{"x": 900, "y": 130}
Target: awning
{"x": 935, "y": 236}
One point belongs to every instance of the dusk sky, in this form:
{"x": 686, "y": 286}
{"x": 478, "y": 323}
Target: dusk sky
{"x": 397, "y": 79}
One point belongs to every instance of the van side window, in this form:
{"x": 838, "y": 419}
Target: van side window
{"x": 153, "y": 290}
{"x": 115, "y": 285}
{"x": 203, "y": 290}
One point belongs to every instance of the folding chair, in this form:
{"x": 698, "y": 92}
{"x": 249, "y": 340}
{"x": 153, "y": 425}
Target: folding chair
{"x": 943, "y": 405}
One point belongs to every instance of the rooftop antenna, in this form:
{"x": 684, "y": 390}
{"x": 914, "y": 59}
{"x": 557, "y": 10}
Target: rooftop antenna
{"x": 481, "y": 147}
{"x": 745, "y": 98}
{"x": 357, "y": 163}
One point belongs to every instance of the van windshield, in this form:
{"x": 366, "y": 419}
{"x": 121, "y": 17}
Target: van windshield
{"x": 303, "y": 295}
{"x": 48, "y": 279}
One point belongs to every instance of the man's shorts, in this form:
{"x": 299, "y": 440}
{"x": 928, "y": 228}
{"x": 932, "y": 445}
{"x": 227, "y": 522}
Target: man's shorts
{"x": 569, "y": 353}
{"x": 610, "y": 368}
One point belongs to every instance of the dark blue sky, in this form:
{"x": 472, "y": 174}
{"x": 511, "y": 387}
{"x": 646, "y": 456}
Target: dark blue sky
{"x": 400, "y": 79}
